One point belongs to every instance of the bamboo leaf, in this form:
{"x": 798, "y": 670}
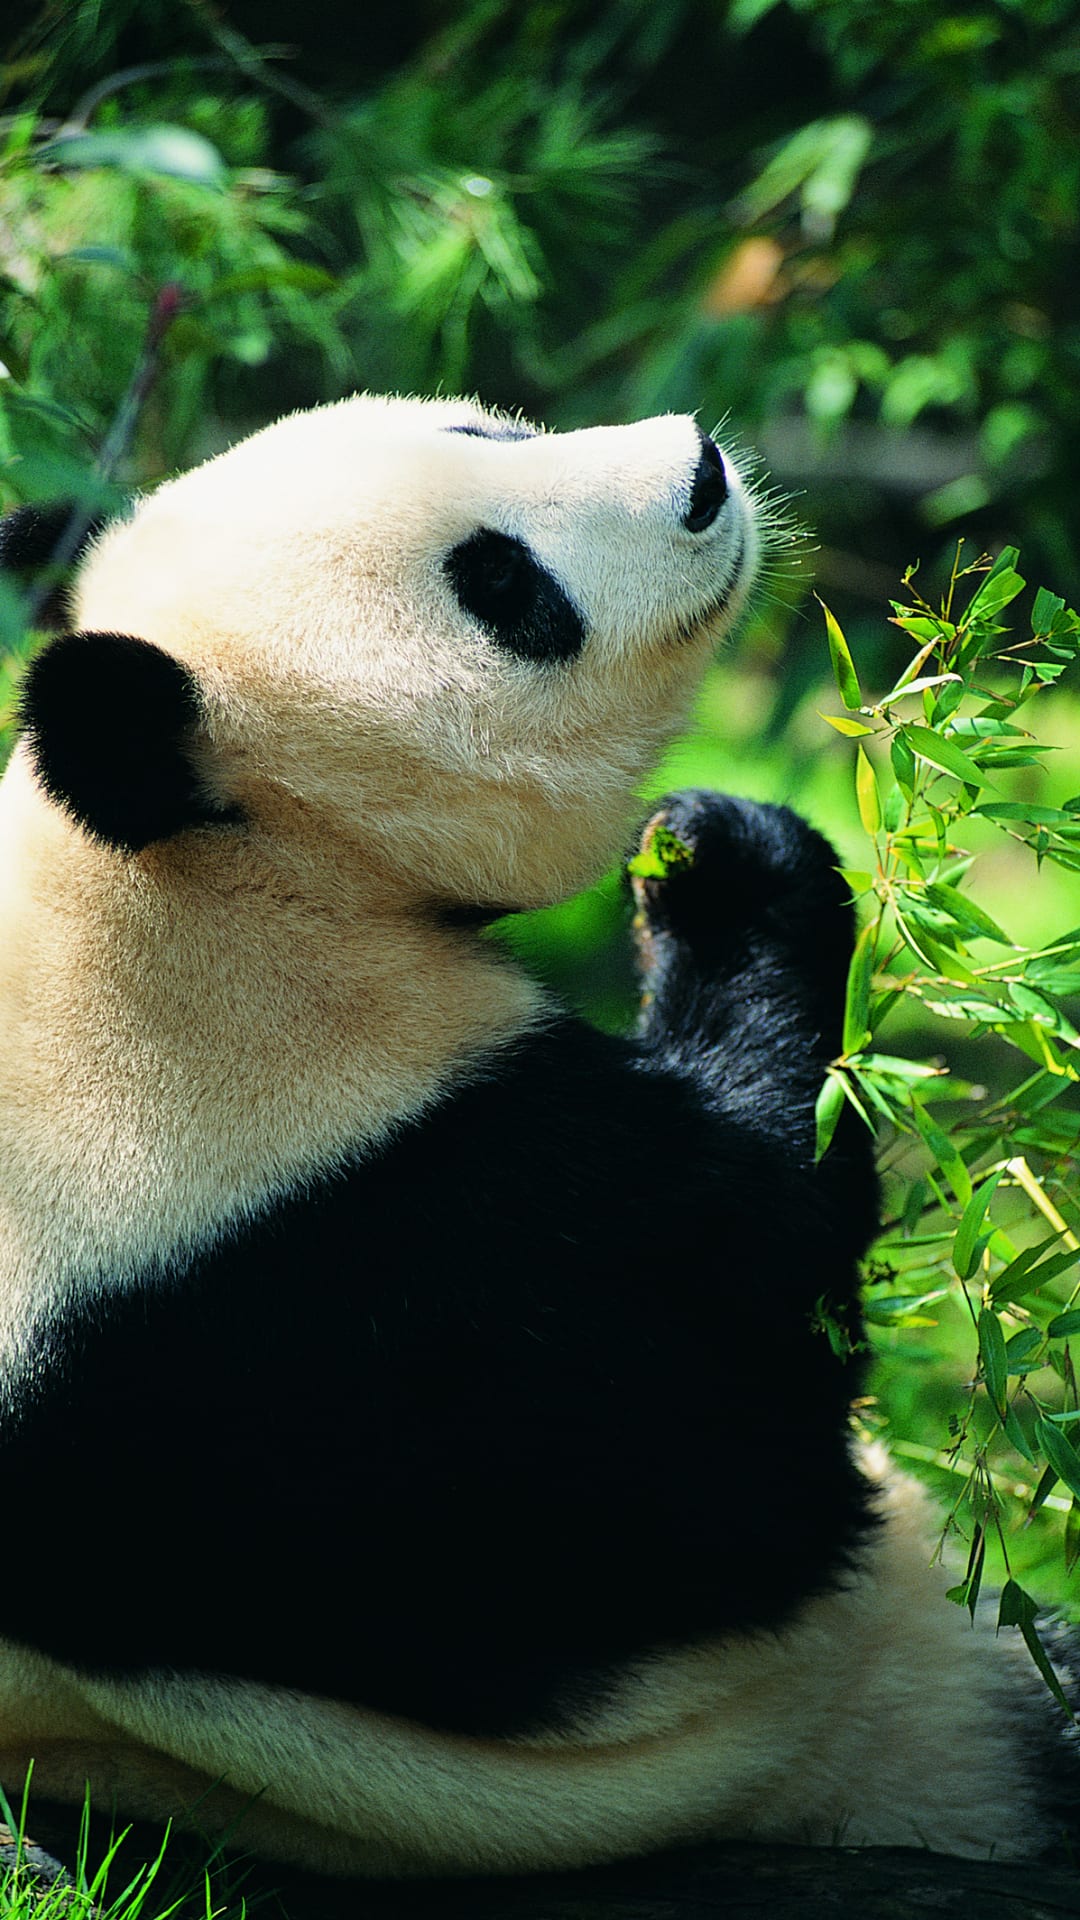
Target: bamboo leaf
{"x": 967, "y": 1593}
{"x": 903, "y": 763}
{"x": 967, "y": 1006}
{"x": 1072, "y": 1536}
{"x": 966, "y": 1249}
{"x": 1045, "y": 608}
{"x": 1041, "y": 1658}
{"x": 1064, "y": 1323}
{"x": 918, "y": 686}
{"x": 827, "y": 1111}
{"x": 1028, "y": 811}
{"x": 1058, "y": 1450}
{"x": 918, "y": 661}
{"x": 1000, "y": 586}
{"x": 945, "y": 755}
{"x": 982, "y": 726}
{"x": 926, "y": 628}
{"x": 847, "y": 680}
{"x": 1035, "y": 1006}
{"x": 967, "y": 914}
{"x": 867, "y": 793}
{"x": 1016, "y": 1434}
{"x": 901, "y": 1309}
{"x": 850, "y": 1082}
{"x": 893, "y": 810}
{"x": 944, "y": 1152}
{"x": 1031, "y": 1038}
{"x": 663, "y": 853}
{"x": 850, "y": 728}
{"x": 1017, "y": 1609}
{"x": 1022, "y": 1348}
{"x": 995, "y": 1365}
{"x": 857, "y": 880}
{"x": 857, "y": 1000}
{"x": 1047, "y": 1483}
{"x": 1022, "y": 1277}
{"x": 896, "y": 1067}
{"x": 951, "y": 965}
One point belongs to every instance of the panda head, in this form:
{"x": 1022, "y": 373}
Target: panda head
{"x": 436, "y": 643}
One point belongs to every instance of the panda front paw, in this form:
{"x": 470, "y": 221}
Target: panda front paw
{"x": 719, "y": 875}
{"x": 745, "y": 933}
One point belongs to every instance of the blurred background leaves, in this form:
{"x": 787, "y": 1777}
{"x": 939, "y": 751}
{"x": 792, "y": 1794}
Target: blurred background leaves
{"x": 850, "y": 229}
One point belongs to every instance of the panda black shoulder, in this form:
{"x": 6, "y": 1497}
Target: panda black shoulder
{"x": 503, "y": 1385}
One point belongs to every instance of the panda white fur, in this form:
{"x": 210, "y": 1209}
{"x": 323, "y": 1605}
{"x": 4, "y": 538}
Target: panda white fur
{"x": 376, "y": 1340}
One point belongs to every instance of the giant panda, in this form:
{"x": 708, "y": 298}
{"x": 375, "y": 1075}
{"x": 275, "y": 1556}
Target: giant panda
{"x": 378, "y": 1342}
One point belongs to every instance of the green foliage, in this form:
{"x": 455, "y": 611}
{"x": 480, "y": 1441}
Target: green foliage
{"x": 586, "y": 212}
{"x": 662, "y": 853}
{"x": 94, "y": 228}
{"x": 90, "y": 1891}
{"x": 461, "y": 208}
{"x": 981, "y": 1186}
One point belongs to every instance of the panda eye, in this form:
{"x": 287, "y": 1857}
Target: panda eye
{"x": 500, "y": 567}
{"x": 517, "y": 602}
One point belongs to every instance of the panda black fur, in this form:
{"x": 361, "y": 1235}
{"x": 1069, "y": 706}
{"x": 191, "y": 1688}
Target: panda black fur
{"x": 385, "y": 1334}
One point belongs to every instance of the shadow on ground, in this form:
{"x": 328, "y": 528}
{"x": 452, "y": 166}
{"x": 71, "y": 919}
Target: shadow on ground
{"x": 701, "y": 1883}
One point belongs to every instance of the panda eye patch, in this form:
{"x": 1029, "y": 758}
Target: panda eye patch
{"x": 494, "y": 430}
{"x": 500, "y": 583}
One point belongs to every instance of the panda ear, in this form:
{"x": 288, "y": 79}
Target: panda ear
{"x": 112, "y": 725}
{"x": 47, "y": 540}
{"x": 30, "y": 536}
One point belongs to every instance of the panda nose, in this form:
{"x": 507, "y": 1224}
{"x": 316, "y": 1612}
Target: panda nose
{"x": 709, "y": 489}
